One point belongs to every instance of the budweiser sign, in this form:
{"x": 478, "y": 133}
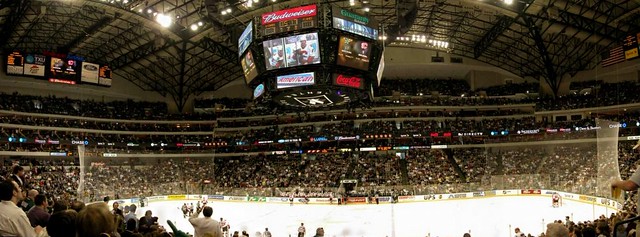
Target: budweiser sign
{"x": 289, "y": 14}
{"x": 295, "y": 80}
{"x": 348, "y": 81}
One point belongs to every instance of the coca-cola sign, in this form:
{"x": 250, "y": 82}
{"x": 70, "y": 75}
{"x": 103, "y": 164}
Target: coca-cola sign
{"x": 295, "y": 80}
{"x": 348, "y": 81}
{"x": 289, "y": 14}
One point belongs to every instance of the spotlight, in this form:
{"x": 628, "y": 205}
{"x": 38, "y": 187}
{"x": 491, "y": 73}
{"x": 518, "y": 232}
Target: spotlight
{"x": 508, "y": 2}
{"x": 149, "y": 11}
{"x": 194, "y": 27}
{"x": 125, "y": 1}
{"x": 228, "y": 10}
{"x": 200, "y": 23}
{"x": 155, "y": 14}
{"x": 164, "y": 20}
{"x": 140, "y": 10}
{"x": 366, "y": 9}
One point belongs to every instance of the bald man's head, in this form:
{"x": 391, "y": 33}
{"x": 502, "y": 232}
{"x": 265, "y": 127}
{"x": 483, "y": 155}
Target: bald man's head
{"x": 32, "y": 194}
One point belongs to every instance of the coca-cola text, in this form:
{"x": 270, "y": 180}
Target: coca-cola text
{"x": 354, "y": 82}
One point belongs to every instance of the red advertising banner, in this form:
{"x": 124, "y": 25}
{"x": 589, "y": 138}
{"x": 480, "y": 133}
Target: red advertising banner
{"x": 348, "y": 81}
{"x": 303, "y": 17}
{"x": 356, "y": 200}
{"x": 531, "y": 191}
{"x": 289, "y": 14}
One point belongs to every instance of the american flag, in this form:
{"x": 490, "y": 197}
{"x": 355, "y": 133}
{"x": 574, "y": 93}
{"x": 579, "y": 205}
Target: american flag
{"x": 615, "y": 56}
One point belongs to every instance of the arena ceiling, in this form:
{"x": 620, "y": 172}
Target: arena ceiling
{"x": 541, "y": 38}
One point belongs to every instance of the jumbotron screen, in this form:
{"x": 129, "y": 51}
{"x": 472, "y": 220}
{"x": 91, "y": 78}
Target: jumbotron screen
{"x": 292, "y": 51}
{"x": 353, "y": 53}
{"x": 249, "y": 67}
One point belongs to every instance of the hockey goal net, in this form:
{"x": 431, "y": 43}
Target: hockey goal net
{"x": 556, "y": 200}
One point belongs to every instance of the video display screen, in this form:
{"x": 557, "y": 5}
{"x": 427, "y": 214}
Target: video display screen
{"x": 34, "y": 65}
{"x": 258, "y": 91}
{"x": 354, "y": 53}
{"x": 295, "y": 80}
{"x": 63, "y": 71}
{"x": 358, "y": 29}
{"x": 15, "y": 63}
{"x": 249, "y": 67}
{"x": 104, "y": 76}
{"x": 292, "y": 51}
{"x": 89, "y": 73}
{"x": 245, "y": 39}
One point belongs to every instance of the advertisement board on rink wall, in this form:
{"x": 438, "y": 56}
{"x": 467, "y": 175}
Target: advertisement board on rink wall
{"x": 156, "y": 198}
{"x": 356, "y": 200}
{"x": 531, "y": 191}
{"x": 257, "y": 199}
{"x": 176, "y": 197}
{"x": 277, "y": 199}
{"x": 216, "y": 197}
{"x": 235, "y": 198}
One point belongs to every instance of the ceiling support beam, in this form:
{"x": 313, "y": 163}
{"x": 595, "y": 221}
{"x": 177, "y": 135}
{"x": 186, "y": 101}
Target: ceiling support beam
{"x": 18, "y": 8}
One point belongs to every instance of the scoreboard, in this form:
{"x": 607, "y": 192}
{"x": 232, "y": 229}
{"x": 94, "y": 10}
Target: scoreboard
{"x": 58, "y": 68}
{"x": 304, "y": 17}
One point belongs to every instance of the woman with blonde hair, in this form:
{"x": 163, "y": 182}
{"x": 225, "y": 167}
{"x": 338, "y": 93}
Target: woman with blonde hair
{"x": 96, "y": 220}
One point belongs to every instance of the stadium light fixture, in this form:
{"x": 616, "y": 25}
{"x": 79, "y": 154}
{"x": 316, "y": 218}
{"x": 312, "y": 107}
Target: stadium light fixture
{"x": 194, "y": 27}
{"x": 366, "y": 9}
{"x": 248, "y": 3}
{"x": 352, "y": 2}
{"x": 125, "y": 1}
{"x": 508, "y": 2}
{"x": 164, "y": 20}
{"x": 200, "y": 23}
{"x": 149, "y": 11}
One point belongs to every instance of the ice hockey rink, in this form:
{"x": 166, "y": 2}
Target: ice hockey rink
{"x": 486, "y": 217}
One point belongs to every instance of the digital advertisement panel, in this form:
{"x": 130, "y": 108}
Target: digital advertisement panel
{"x": 258, "y": 91}
{"x": 249, "y": 67}
{"x": 295, "y": 80}
{"x": 34, "y": 65}
{"x": 105, "y": 76}
{"x": 298, "y": 18}
{"x": 356, "y": 18}
{"x": 353, "y": 53}
{"x": 358, "y": 29}
{"x": 89, "y": 73}
{"x": 245, "y": 39}
{"x": 291, "y": 51}
{"x": 63, "y": 71}
{"x": 15, "y": 63}
{"x": 348, "y": 81}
